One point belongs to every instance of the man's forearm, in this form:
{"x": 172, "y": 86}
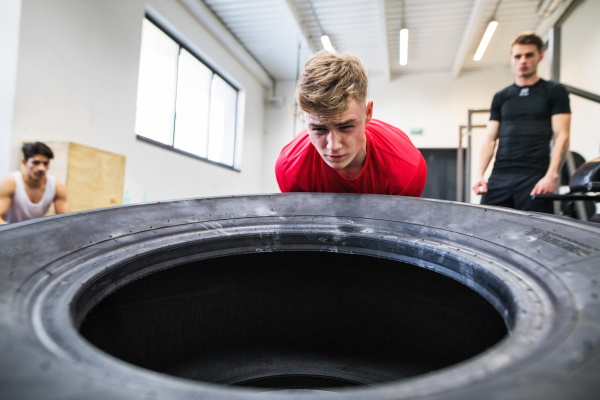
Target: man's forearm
{"x": 61, "y": 207}
{"x": 487, "y": 151}
{"x": 3, "y": 214}
{"x": 559, "y": 155}
{"x": 561, "y": 127}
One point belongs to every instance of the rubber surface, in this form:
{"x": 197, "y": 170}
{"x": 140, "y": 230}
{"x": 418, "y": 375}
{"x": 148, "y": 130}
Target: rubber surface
{"x": 539, "y": 272}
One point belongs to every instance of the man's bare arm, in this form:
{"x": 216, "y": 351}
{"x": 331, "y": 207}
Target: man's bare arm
{"x": 487, "y": 151}
{"x": 60, "y": 200}
{"x": 7, "y": 190}
{"x": 561, "y": 126}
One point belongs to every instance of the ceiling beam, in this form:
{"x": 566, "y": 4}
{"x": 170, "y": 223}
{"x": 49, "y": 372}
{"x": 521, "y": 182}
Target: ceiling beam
{"x": 384, "y": 41}
{"x": 289, "y": 6}
{"x": 222, "y": 33}
{"x": 474, "y": 19}
{"x": 555, "y": 19}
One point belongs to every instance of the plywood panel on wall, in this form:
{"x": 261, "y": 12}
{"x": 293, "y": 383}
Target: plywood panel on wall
{"x": 95, "y": 178}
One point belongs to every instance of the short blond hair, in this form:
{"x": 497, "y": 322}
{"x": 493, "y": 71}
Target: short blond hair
{"x": 330, "y": 81}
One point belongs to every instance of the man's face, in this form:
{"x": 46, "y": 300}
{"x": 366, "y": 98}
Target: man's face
{"x": 340, "y": 138}
{"x": 36, "y": 166}
{"x": 524, "y": 59}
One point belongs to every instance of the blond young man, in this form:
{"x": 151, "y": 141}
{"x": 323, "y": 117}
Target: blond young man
{"x": 524, "y": 117}
{"x": 343, "y": 149}
{"x": 29, "y": 195}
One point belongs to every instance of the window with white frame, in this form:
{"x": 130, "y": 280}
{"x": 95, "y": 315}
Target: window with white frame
{"x": 182, "y": 103}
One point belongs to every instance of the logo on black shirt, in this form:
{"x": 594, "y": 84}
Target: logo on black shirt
{"x": 524, "y": 92}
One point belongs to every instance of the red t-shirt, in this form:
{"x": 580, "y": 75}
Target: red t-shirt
{"x": 393, "y": 166}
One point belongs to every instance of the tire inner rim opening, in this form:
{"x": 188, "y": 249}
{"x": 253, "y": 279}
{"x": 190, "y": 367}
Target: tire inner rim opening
{"x": 308, "y": 320}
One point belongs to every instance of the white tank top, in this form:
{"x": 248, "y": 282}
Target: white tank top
{"x": 22, "y": 208}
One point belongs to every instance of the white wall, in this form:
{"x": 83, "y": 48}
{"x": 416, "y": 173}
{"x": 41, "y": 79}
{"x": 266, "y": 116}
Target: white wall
{"x": 580, "y": 63}
{"x": 433, "y": 101}
{"x": 10, "y": 19}
{"x": 77, "y": 81}
{"x": 279, "y": 131}
{"x": 580, "y": 67}
{"x": 436, "y": 102}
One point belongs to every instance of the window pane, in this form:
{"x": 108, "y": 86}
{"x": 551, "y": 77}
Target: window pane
{"x": 222, "y": 121}
{"x": 156, "y": 85}
{"x": 193, "y": 95}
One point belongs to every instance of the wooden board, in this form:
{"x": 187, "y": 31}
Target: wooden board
{"x": 95, "y": 178}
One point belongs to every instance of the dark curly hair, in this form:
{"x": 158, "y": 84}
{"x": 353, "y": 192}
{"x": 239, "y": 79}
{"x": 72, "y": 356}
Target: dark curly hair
{"x": 32, "y": 149}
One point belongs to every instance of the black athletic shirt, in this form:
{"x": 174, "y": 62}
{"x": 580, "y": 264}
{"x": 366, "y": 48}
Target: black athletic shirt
{"x": 525, "y": 131}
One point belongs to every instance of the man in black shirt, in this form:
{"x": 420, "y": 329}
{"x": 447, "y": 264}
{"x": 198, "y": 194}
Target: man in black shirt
{"x": 524, "y": 117}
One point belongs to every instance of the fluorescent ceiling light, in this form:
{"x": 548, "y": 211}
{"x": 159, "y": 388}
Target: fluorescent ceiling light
{"x": 485, "y": 40}
{"x": 327, "y": 43}
{"x": 403, "y": 46}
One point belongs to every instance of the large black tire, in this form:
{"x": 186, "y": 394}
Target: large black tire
{"x": 62, "y": 275}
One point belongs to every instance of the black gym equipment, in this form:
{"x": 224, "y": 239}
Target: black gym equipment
{"x": 583, "y": 186}
{"x": 299, "y": 295}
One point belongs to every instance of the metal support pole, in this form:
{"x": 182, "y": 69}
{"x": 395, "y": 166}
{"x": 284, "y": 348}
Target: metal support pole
{"x": 582, "y": 93}
{"x": 579, "y": 206}
{"x": 468, "y": 162}
{"x": 554, "y": 50}
{"x": 459, "y": 166}
{"x": 470, "y": 127}
{"x": 557, "y": 205}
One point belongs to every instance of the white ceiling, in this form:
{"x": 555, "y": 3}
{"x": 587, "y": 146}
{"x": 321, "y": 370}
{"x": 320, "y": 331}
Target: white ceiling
{"x": 271, "y": 31}
{"x": 514, "y": 17}
{"x": 435, "y": 30}
{"x": 266, "y": 29}
{"x": 352, "y": 25}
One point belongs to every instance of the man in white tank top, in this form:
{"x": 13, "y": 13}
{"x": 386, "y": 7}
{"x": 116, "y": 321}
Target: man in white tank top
{"x": 29, "y": 195}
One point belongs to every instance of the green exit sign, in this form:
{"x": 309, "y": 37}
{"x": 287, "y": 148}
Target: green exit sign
{"x": 416, "y": 130}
